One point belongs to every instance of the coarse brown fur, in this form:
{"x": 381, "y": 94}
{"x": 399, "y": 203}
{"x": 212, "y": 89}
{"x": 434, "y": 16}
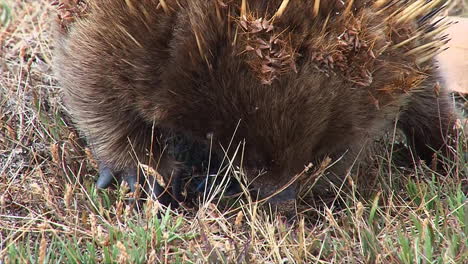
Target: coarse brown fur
{"x": 296, "y": 85}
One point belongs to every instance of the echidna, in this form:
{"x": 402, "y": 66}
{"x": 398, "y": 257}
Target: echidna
{"x": 295, "y": 81}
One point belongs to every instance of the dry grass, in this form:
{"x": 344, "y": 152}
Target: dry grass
{"x": 50, "y": 212}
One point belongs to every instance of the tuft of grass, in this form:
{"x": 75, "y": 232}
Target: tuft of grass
{"x": 50, "y": 211}
{"x": 134, "y": 240}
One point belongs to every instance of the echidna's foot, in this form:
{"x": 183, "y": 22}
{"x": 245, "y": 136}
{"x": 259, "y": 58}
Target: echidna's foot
{"x": 151, "y": 188}
{"x": 108, "y": 176}
{"x": 166, "y": 195}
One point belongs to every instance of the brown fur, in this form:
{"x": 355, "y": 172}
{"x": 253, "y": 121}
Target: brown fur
{"x": 328, "y": 84}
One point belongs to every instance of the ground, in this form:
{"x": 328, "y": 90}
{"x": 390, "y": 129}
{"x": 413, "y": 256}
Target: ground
{"x": 50, "y": 211}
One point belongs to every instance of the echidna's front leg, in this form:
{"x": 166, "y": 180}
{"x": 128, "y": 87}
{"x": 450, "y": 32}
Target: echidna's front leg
{"x": 121, "y": 141}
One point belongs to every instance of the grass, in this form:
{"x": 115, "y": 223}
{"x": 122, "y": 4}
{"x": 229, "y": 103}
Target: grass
{"x": 50, "y": 211}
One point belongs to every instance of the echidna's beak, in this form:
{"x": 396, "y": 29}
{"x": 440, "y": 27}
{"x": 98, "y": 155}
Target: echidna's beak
{"x": 285, "y": 195}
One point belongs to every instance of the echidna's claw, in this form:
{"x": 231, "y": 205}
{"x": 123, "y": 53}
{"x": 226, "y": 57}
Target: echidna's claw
{"x": 151, "y": 188}
{"x": 106, "y": 177}
{"x": 130, "y": 176}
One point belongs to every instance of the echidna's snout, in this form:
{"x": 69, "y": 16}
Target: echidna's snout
{"x": 276, "y": 189}
{"x": 280, "y": 198}
{"x": 281, "y": 194}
